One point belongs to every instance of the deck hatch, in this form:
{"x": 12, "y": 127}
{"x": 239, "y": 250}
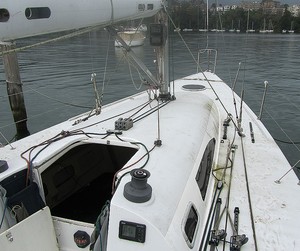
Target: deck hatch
{"x": 80, "y": 175}
{"x": 193, "y": 87}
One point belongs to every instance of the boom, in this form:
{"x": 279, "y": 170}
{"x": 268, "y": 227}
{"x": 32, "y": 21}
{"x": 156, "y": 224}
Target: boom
{"x": 28, "y": 18}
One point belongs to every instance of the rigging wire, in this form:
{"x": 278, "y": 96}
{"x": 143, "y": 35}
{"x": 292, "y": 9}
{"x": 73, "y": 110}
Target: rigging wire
{"x": 149, "y": 112}
{"x": 105, "y": 71}
{"x": 242, "y": 89}
{"x": 114, "y": 116}
{"x": 57, "y": 100}
{"x": 284, "y": 132}
{"x": 70, "y": 35}
{"x": 287, "y": 100}
{"x": 203, "y": 73}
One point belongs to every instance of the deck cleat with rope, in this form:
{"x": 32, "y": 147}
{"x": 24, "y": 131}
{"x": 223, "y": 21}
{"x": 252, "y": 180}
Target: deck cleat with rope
{"x": 237, "y": 241}
{"x": 217, "y": 236}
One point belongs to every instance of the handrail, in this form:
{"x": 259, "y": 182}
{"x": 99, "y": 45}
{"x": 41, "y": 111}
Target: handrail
{"x": 207, "y": 58}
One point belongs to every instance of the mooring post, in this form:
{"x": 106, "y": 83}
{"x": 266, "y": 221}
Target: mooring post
{"x": 14, "y": 89}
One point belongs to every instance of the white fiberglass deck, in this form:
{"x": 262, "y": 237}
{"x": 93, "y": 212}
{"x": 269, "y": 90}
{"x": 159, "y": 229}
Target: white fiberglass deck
{"x": 269, "y": 214}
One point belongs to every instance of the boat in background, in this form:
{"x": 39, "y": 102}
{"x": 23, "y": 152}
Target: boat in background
{"x": 131, "y": 38}
{"x": 248, "y": 20}
{"x": 291, "y": 30}
{"x": 142, "y": 27}
{"x": 238, "y": 30}
{"x": 183, "y": 165}
{"x": 263, "y": 30}
{"x": 270, "y": 27}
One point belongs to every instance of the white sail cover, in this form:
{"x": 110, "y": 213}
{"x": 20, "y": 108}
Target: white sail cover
{"x": 27, "y": 18}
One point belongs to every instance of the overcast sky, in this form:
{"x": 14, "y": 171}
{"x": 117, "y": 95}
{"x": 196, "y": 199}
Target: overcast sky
{"x": 230, "y": 2}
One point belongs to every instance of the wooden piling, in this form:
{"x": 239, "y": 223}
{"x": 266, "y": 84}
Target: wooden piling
{"x": 14, "y": 90}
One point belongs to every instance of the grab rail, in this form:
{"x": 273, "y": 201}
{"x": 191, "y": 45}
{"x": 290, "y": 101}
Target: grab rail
{"x": 207, "y": 58}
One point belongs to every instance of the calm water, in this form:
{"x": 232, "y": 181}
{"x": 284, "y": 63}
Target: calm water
{"x": 62, "y": 72}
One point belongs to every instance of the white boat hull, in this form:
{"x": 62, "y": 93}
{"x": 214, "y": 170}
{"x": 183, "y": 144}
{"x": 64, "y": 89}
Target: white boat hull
{"x": 131, "y": 38}
{"x": 33, "y": 18}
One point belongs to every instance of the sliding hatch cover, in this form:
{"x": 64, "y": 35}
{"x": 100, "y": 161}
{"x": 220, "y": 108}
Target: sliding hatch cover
{"x": 33, "y": 233}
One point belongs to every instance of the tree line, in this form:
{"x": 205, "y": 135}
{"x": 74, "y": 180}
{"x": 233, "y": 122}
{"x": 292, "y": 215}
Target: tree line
{"x": 193, "y": 15}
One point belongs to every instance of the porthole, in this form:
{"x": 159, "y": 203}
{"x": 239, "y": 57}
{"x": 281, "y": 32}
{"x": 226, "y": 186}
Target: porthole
{"x": 4, "y": 15}
{"x": 150, "y": 6}
{"x": 37, "y": 13}
{"x": 190, "y": 225}
{"x": 141, "y": 7}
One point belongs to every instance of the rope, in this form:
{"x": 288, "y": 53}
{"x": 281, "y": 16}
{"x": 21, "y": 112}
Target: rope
{"x": 131, "y": 64}
{"x": 116, "y": 183}
{"x": 70, "y": 35}
{"x": 133, "y": 82}
{"x": 229, "y": 185}
{"x": 287, "y": 142}
{"x": 249, "y": 196}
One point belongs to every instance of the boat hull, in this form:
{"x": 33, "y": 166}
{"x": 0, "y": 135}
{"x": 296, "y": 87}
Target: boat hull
{"x": 131, "y": 38}
{"x": 30, "y": 18}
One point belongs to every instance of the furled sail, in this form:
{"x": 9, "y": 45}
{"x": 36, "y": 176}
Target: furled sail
{"x": 27, "y": 18}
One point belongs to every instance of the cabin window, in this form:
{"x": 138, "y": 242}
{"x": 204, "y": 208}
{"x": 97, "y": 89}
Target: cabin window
{"x": 204, "y": 170}
{"x": 4, "y": 15}
{"x": 37, "y": 13}
{"x": 150, "y": 6}
{"x": 141, "y": 7}
{"x": 190, "y": 225}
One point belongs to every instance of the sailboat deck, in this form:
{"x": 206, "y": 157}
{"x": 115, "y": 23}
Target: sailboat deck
{"x": 174, "y": 165}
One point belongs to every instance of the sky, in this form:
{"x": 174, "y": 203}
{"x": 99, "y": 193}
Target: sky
{"x": 231, "y": 2}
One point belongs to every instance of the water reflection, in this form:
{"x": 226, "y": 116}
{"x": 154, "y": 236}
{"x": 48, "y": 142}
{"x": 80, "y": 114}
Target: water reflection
{"x": 63, "y": 71}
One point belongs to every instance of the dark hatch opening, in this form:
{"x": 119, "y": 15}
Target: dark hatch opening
{"x": 79, "y": 183}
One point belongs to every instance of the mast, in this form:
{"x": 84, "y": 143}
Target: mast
{"x": 248, "y": 20}
{"x": 158, "y": 39}
{"x": 163, "y": 55}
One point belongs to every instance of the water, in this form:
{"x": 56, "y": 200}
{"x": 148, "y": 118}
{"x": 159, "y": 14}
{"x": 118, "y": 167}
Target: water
{"x": 62, "y": 72}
